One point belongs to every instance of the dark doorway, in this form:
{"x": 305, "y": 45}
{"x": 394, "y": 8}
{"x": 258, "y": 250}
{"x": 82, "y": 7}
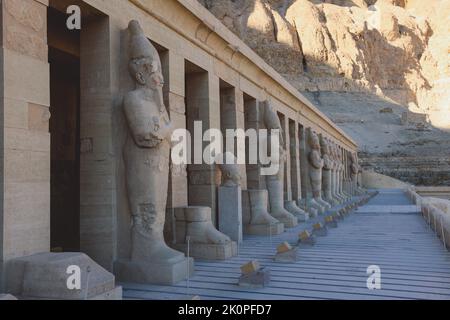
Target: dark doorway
{"x": 64, "y": 59}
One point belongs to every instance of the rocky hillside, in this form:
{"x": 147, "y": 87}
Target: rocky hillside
{"x": 380, "y": 69}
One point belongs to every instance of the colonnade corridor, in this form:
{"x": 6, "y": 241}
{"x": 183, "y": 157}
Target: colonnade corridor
{"x": 388, "y": 232}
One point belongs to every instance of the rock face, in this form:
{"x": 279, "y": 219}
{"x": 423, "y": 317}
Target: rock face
{"x": 356, "y": 57}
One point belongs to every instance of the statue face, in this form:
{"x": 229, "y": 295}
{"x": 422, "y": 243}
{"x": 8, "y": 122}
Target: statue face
{"x": 147, "y": 72}
{"x": 326, "y": 149}
{"x": 314, "y": 141}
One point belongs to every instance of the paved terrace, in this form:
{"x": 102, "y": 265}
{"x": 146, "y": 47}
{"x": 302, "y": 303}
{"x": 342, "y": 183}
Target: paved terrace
{"x": 388, "y": 232}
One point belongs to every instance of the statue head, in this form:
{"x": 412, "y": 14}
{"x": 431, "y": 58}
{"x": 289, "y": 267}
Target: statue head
{"x": 325, "y": 146}
{"x": 272, "y": 121}
{"x": 314, "y": 140}
{"x": 338, "y": 154}
{"x": 145, "y": 64}
{"x": 331, "y": 149}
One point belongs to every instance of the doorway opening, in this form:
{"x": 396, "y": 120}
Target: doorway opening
{"x": 64, "y": 60}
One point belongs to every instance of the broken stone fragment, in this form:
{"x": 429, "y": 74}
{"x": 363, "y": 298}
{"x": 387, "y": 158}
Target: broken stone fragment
{"x": 304, "y": 235}
{"x": 317, "y": 226}
{"x": 256, "y": 279}
{"x": 250, "y": 267}
{"x": 284, "y": 247}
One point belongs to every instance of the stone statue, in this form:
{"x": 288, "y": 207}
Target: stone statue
{"x": 275, "y": 183}
{"x": 315, "y": 173}
{"x": 341, "y": 175}
{"x": 354, "y": 169}
{"x": 146, "y": 154}
{"x": 356, "y": 172}
{"x": 359, "y": 181}
{"x": 327, "y": 172}
{"x": 335, "y": 160}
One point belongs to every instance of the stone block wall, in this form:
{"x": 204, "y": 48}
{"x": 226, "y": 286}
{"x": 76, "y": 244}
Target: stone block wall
{"x": 186, "y": 34}
{"x": 24, "y": 131}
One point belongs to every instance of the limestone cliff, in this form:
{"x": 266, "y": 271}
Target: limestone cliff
{"x": 364, "y": 63}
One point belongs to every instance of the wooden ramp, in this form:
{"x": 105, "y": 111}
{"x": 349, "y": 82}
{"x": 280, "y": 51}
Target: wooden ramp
{"x": 413, "y": 262}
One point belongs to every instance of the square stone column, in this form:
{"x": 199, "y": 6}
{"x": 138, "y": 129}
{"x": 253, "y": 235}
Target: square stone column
{"x": 174, "y": 99}
{"x": 295, "y": 161}
{"x": 98, "y": 193}
{"x": 253, "y": 117}
{"x": 24, "y": 130}
{"x": 232, "y": 117}
{"x": 287, "y": 167}
{"x": 174, "y": 96}
{"x": 230, "y": 212}
{"x": 304, "y": 165}
{"x": 203, "y": 99}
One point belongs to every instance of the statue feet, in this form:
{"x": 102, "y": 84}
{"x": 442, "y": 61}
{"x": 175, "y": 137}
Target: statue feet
{"x": 256, "y": 218}
{"x": 153, "y": 248}
{"x": 205, "y": 241}
{"x": 287, "y": 218}
{"x": 152, "y": 261}
{"x": 323, "y": 203}
{"x": 331, "y": 201}
{"x": 312, "y": 203}
{"x": 261, "y": 216}
{"x": 205, "y": 232}
{"x": 292, "y": 207}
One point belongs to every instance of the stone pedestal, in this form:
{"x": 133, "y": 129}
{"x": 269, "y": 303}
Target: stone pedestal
{"x": 230, "y": 212}
{"x": 154, "y": 273}
{"x": 256, "y": 219}
{"x": 291, "y": 206}
{"x": 45, "y": 276}
{"x": 264, "y": 229}
{"x": 209, "y": 251}
{"x": 193, "y": 225}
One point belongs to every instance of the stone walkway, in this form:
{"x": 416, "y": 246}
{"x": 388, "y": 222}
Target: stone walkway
{"x": 388, "y": 232}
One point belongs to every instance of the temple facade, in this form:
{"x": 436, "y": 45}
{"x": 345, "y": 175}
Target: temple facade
{"x": 87, "y": 178}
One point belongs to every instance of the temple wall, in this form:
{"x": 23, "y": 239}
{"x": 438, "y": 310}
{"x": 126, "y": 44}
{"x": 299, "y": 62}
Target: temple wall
{"x": 184, "y": 32}
{"x": 25, "y": 139}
